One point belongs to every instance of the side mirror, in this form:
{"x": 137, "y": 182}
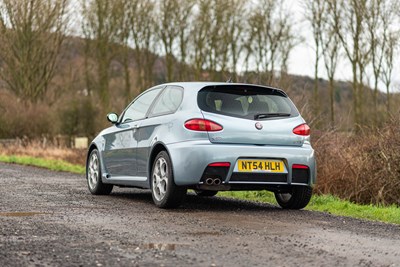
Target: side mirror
{"x": 112, "y": 117}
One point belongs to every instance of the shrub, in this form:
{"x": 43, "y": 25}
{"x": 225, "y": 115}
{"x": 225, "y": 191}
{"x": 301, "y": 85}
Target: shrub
{"x": 364, "y": 168}
{"x": 20, "y": 119}
{"x": 78, "y": 118}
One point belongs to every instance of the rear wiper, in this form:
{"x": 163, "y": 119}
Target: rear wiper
{"x": 270, "y": 115}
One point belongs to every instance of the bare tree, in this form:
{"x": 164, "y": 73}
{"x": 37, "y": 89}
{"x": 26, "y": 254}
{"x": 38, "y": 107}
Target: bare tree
{"x": 380, "y": 17}
{"x": 143, "y": 28}
{"x": 392, "y": 43}
{"x": 350, "y": 26}
{"x": 224, "y": 43}
{"x": 235, "y": 27}
{"x": 200, "y": 32}
{"x": 315, "y": 12}
{"x": 217, "y": 38}
{"x": 173, "y": 19}
{"x": 31, "y": 35}
{"x": 124, "y": 39}
{"x": 374, "y": 22}
{"x": 388, "y": 45}
{"x": 168, "y": 33}
{"x": 330, "y": 44}
{"x": 102, "y": 29}
{"x": 288, "y": 42}
{"x": 259, "y": 46}
{"x": 217, "y": 48}
{"x": 184, "y": 28}
{"x": 270, "y": 28}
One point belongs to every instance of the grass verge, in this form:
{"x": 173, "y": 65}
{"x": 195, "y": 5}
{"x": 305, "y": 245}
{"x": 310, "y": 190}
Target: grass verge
{"x": 324, "y": 203}
{"x": 51, "y": 164}
{"x": 329, "y": 204}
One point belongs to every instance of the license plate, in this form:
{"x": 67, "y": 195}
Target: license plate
{"x": 260, "y": 166}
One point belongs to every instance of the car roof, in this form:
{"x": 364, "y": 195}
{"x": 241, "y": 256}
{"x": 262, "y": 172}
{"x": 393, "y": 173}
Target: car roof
{"x": 200, "y": 85}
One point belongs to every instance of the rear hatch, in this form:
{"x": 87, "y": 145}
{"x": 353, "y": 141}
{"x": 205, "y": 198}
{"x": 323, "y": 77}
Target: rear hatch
{"x": 251, "y": 115}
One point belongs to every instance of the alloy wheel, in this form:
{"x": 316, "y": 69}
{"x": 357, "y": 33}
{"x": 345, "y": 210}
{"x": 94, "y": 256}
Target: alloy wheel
{"x": 160, "y": 179}
{"x": 93, "y": 171}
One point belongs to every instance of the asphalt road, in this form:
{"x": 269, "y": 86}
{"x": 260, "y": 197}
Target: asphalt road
{"x": 50, "y": 219}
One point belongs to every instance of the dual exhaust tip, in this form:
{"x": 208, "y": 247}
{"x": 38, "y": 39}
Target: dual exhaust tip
{"x": 213, "y": 181}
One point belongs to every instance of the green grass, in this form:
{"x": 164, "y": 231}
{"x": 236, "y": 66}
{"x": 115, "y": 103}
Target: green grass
{"x": 329, "y": 204}
{"x": 324, "y": 203}
{"x": 51, "y": 164}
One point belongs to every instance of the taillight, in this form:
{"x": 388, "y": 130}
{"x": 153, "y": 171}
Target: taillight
{"x": 202, "y": 125}
{"x": 302, "y": 129}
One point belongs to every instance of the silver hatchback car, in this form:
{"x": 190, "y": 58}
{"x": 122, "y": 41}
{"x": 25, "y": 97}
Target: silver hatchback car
{"x": 208, "y": 137}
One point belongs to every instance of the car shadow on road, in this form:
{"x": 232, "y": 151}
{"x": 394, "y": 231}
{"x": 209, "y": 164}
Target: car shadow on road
{"x": 196, "y": 203}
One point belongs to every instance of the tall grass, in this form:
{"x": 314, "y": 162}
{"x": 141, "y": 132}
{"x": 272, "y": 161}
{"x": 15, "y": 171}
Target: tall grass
{"x": 51, "y": 164}
{"x": 330, "y": 204}
{"x": 45, "y": 148}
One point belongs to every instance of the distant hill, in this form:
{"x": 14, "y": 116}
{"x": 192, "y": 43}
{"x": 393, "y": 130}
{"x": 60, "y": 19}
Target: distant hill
{"x": 74, "y": 73}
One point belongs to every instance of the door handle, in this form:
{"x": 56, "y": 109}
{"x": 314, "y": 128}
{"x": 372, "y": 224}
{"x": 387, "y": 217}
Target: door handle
{"x": 135, "y": 126}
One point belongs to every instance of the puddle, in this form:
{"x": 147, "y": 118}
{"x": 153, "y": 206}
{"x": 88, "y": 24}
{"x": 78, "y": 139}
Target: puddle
{"x": 159, "y": 246}
{"x": 20, "y": 214}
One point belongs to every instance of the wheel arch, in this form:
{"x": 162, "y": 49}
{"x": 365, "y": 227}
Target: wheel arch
{"x": 91, "y": 148}
{"x": 157, "y": 148}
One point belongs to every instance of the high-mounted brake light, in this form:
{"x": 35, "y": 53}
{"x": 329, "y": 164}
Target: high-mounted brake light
{"x": 302, "y": 129}
{"x": 202, "y": 125}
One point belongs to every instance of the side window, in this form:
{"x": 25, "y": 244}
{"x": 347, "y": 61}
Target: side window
{"x": 138, "y": 109}
{"x": 169, "y": 101}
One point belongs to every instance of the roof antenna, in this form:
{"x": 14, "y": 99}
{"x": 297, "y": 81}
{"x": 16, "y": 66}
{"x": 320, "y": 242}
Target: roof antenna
{"x": 229, "y": 80}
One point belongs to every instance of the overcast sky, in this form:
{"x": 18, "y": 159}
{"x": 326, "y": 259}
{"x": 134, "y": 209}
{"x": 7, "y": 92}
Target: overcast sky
{"x": 302, "y": 58}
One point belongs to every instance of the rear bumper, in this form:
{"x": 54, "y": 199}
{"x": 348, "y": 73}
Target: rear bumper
{"x": 191, "y": 158}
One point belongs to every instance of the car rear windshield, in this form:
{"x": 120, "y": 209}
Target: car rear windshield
{"x": 248, "y": 102}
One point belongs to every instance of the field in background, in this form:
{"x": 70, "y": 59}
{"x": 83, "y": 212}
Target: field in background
{"x": 44, "y": 149}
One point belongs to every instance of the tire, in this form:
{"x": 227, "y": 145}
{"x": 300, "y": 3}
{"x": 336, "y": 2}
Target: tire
{"x": 205, "y": 193}
{"x": 163, "y": 189}
{"x": 297, "y": 199}
{"x": 93, "y": 176}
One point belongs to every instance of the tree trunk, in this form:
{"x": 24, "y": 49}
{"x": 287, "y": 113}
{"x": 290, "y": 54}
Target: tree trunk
{"x": 332, "y": 102}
